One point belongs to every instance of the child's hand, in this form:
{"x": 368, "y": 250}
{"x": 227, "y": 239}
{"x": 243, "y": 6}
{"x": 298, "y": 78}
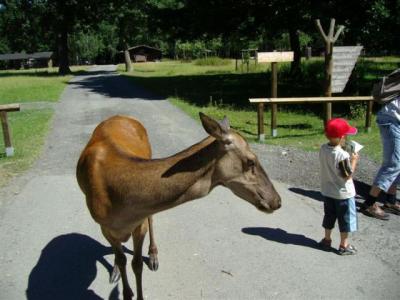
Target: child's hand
{"x": 354, "y": 156}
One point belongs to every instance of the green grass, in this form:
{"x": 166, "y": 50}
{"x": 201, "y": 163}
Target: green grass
{"x": 222, "y": 90}
{"x": 28, "y": 127}
{"x": 33, "y": 85}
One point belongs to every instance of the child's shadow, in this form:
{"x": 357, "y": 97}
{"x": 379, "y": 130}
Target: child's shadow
{"x": 281, "y": 236}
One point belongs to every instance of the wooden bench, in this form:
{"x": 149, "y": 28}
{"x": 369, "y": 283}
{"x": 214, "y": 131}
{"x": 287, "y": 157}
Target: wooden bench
{"x": 4, "y": 109}
{"x": 275, "y": 101}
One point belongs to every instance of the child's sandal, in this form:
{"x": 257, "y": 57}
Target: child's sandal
{"x": 349, "y": 250}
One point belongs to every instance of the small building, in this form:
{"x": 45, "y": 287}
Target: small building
{"x": 144, "y": 53}
{"x": 42, "y": 59}
{"x": 26, "y": 60}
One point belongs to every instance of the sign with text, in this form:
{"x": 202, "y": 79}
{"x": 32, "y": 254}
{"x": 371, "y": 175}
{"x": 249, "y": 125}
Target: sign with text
{"x": 344, "y": 60}
{"x": 266, "y": 57}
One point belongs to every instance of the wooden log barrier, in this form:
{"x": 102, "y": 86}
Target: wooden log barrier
{"x": 275, "y": 101}
{"x": 4, "y": 109}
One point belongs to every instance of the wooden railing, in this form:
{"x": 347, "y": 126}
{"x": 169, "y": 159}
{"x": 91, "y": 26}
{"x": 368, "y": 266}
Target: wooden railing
{"x": 275, "y": 101}
{"x": 4, "y": 109}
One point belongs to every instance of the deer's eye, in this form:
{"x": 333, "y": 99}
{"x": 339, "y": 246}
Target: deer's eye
{"x": 251, "y": 163}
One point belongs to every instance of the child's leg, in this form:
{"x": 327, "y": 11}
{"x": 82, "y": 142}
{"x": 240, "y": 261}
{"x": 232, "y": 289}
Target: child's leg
{"x": 329, "y": 217}
{"x": 344, "y": 239}
{"x": 347, "y": 218}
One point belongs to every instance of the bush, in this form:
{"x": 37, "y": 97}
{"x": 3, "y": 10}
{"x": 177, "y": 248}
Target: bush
{"x": 212, "y": 61}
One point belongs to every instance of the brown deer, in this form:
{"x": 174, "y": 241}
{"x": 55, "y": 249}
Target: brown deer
{"x": 124, "y": 187}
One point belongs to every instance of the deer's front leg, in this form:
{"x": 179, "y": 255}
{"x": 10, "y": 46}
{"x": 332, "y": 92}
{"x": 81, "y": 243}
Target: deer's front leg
{"x": 153, "y": 251}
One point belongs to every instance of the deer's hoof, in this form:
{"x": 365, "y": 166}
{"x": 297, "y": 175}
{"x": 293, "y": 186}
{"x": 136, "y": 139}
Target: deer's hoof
{"x": 128, "y": 294}
{"x": 153, "y": 262}
{"x": 115, "y": 275}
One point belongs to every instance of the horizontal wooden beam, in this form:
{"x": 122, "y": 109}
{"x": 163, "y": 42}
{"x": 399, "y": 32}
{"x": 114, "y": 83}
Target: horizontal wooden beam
{"x": 10, "y": 107}
{"x": 310, "y": 99}
{"x": 265, "y": 57}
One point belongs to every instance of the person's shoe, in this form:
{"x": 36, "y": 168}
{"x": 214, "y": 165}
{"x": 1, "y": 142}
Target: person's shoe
{"x": 349, "y": 250}
{"x": 376, "y": 212}
{"x": 325, "y": 244}
{"x": 392, "y": 208}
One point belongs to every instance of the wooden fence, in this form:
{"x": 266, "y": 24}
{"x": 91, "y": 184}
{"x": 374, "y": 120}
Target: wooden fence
{"x": 276, "y": 101}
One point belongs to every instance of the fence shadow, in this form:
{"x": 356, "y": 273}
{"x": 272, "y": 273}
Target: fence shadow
{"x": 67, "y": 267}
{"x": 281, "y": 236}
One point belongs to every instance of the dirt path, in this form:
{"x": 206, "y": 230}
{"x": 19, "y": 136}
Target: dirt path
{"x": 215, "y": 248}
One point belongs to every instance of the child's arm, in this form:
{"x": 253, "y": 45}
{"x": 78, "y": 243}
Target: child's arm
{"x": 348, "y": 166}
{"x": 354, "y": 160}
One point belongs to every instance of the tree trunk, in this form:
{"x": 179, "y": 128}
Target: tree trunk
{"x": 128, "y": 62}
{"x": 63, "y": 51}
{"x": 295, "y": 46}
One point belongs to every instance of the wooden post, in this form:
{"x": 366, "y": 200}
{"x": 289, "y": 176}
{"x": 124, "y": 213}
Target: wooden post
{"x": 6, "y": 134}
{"x": 328, "y": 80}
{"x": 329, "y": 39}
{"x": 274, "y": 94}
{"x": 260, "y": 122}
{"x": 368, "y": 116}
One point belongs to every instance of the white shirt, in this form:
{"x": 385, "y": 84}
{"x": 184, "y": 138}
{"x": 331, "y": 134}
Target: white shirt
{"x": 333, "y": 184}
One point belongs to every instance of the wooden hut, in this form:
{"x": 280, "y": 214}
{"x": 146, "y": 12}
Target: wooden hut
{"x": 143, "y": 53}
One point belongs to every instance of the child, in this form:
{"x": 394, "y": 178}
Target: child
{"x": 337, "y": 187}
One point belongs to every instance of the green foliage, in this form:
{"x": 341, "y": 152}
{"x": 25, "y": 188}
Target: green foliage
{"x": 85, "y": 46}
{"x": 186, "y": 29}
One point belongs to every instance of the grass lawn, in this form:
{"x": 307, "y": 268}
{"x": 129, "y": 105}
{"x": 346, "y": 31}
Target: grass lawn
{"x": 29, "y": 127}
{"x": 222, "y": 90}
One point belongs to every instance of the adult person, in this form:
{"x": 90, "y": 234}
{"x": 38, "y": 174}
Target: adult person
{"x": 388, "y": 176}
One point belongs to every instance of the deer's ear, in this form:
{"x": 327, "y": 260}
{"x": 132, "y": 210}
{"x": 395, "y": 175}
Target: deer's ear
{"x": 214, "y": 128}
{"x": 225, "y": 123}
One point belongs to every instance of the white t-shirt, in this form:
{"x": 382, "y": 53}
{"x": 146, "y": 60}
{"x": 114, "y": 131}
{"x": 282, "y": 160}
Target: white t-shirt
{"x": 333, "y": 164}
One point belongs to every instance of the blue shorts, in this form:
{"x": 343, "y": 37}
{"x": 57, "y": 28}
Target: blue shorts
{"x": 343, "y": 210}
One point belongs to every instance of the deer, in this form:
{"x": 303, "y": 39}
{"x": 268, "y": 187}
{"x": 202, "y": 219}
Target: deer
{"x": 124, "y": 187}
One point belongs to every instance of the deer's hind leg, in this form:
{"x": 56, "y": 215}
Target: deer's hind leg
{"x": 120, "y": 263}
{"x": 153, "y": 251}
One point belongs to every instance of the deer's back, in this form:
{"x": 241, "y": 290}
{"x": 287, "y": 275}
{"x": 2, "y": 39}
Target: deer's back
{"x": 115, "y": 142}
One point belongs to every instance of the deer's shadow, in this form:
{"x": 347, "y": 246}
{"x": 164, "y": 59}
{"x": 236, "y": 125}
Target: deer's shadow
{"x": 67, "y": 267}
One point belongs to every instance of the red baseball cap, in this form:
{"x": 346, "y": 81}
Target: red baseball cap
{"x": 338, "y": 127}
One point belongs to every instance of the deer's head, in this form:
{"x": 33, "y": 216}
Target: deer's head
{"x": 239, "y": 169}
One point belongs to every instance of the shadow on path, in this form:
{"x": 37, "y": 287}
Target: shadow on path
{"x": 281, "y": 236}
{"x": 316, "y": 195}
{"x": 67, "y": 267}
{"x": 111, "y": 84}
{"x": 362, "y": 190}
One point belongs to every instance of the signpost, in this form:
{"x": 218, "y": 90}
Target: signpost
{"x": 344, "y": 60}
{"x": 273, "y": 58}
{"x": 329, "y": 39}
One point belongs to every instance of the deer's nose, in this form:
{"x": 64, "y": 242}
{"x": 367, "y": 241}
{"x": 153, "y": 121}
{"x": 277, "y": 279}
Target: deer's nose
{"x": 278, "y": 202}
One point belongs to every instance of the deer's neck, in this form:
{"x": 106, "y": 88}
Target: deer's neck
{"x": 180, "y": 178}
